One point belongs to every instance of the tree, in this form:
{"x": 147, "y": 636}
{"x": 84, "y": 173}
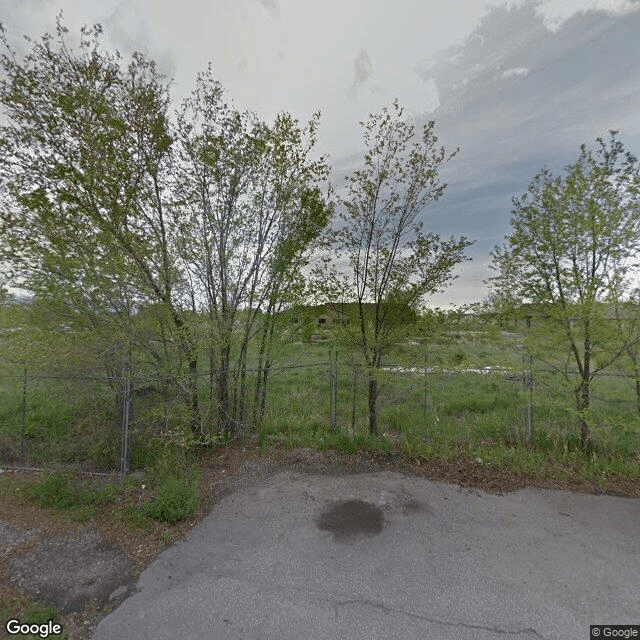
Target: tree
{"x": 188, "y": 236}
{"x": 86, "y": 150}
{"x": 251, "y": 208}
{"x": 573, "y": 237}
{"x": 625, "y": 300}
{"x": 393, "y": 265}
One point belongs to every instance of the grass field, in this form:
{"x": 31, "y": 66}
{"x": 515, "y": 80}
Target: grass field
{"x": 459, "y": 392}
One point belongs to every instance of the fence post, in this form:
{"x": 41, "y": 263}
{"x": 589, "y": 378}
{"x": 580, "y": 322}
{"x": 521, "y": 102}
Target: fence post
{"x": 335, "y": 390}
{"x": 125, "y": 452}
{"x": 333, "y": 395}
{"x": 527, "y": 380}
{"x": 353, "y": 402}
{"x": 23, "y": 414}
{"x": 426, "y": 398}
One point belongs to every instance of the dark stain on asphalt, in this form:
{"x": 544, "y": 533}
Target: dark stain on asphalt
{"x": 350, "y": 519}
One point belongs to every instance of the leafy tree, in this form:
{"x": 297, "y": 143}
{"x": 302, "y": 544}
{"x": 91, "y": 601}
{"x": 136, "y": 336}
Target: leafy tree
{"x": 627, "y": 319}
{"x": 251, "y": 208}
{"x": 86, "y": 149}
{"x": 392, "y": 264}
{"x": 162, "y": 237}
{"x": 573, "y": 236}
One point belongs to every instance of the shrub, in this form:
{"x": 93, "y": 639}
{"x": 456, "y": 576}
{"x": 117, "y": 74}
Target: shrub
{"x": 175, "y": 500}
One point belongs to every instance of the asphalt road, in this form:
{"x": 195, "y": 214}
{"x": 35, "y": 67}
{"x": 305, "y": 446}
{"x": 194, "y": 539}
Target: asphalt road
{"x": 390, "y": 556}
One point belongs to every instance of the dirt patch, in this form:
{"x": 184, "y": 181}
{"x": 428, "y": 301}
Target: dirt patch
{"x": 351, "y": 519}
{"x": 13, "y": 537}
{"x": 70, "y": 572}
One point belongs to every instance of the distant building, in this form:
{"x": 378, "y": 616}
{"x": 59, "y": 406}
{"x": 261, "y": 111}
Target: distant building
{"x": 531, "y": 315}
{"x": 339, "y": 313}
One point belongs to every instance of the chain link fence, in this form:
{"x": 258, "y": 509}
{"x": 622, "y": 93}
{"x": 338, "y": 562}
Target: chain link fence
{"x": 613, "y": 416}
{"x": 122, "y": 423}
{"x": 416, "y": 400}
{"x": 59, "y": 419}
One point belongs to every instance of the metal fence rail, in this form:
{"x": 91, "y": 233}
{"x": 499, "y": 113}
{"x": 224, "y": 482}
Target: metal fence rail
{"x": 108, "y": 423}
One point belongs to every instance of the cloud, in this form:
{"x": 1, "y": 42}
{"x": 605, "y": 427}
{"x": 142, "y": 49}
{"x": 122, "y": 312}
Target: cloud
{"x": 525, "y": 84}
{"x": 556, "y": 13}
{"x": 573, "y": 84}
{"x": 362, "y": 68}
{"x": 270, "y": 5}
{"x": 515, "y": 71}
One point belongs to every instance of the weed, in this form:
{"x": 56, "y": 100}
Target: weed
{"x": 61, "y": 491}
{"x": 39, "y": 614}
{"x": 173, "y": 460}
{"x": 56, "y": 492}
{"x": 176, "y": 499}
{"x": 457, "y": 408}
{"x": 134, "y": 517}
{"x": 419, "y": 449}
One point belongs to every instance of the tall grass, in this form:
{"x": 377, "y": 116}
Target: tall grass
{"x": 448, "y": 410}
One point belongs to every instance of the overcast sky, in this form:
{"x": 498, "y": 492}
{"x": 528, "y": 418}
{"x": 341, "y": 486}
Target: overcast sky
{"x": 515, "y": 85}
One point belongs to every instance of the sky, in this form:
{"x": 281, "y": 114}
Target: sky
{"x": 515, "y": 85}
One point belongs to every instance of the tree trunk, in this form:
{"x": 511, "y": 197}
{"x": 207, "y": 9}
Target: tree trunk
{"x": 583, "y": 403}
{"x": 240, "y": 390}
{"x": 262, "y": 400}
{"x": 224, "y": 419}
{"x": 263, "y": 365}
{"x": 212, "y": 370}
{"x": 187, "y": 347}
{"x": 193, "y": 392}
{"x": 584, "y": 398}
{"x": 373, "y": 402}
{"x": 636, "y": 374}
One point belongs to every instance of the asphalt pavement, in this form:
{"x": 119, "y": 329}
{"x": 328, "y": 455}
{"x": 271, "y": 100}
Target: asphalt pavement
{"x": 384, "y": 555}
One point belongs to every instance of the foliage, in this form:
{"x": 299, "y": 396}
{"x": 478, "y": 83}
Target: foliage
{"x": 176, "y": 499}
{"x": 60, "y": 491}
{"x": 157, "y": 240}
{"x": 574, "y": 236}
{"x": 86, "y": 149}
{"x": 393, "y": 264}
{"x": 253, "y": 209}
{"x": 627, "y": 321}
{"x": 465, "y": 408}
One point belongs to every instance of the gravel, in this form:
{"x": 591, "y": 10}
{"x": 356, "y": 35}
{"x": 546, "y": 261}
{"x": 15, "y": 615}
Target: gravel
{"x": 70, "y": 572}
